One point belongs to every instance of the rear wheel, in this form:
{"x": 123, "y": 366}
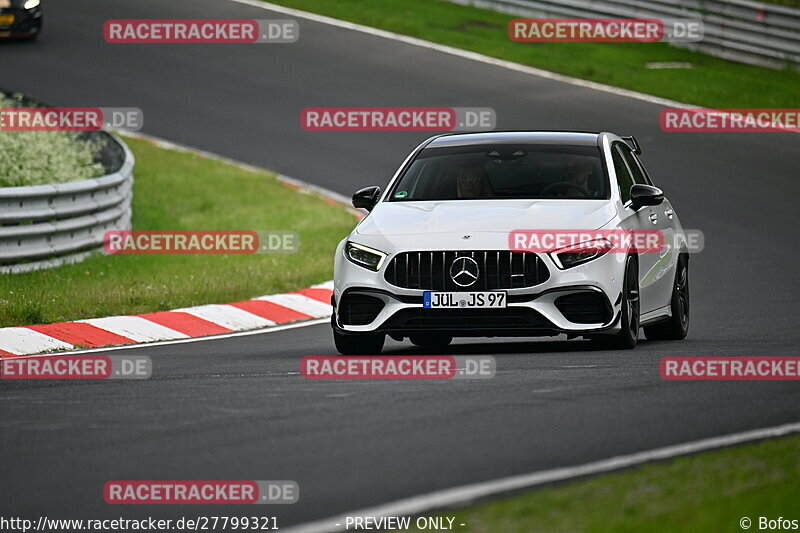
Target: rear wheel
{"x": 629, "y": 334}
{"x": 677, "y": 326}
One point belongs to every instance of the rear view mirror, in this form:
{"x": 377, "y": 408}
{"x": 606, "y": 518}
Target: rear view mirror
{"x": 642, "y": 195}
{"x": 367, "y": 197}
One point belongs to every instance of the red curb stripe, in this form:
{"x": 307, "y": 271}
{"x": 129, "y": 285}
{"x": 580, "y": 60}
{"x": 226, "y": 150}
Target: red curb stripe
{"x": 81, "y": 334}
{"x": 7, "y": 354}
{"x": 270, "y": 311}
{"x": 185, "y": 323}
{"x": 322, "y": 295}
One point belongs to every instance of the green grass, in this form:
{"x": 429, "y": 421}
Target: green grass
{"x": 712, "y": 82}
{"x": 180, "y": 191}
{"x": 707, "y": 492}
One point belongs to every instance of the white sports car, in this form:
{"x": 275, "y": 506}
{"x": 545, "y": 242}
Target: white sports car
{"x": 513, "y": 234}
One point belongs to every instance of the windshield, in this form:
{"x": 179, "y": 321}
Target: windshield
{"x": 503, "y": 171}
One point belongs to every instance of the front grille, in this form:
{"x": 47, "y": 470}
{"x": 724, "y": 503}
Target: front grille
{"x": 584, "y": 307}
{"x": 359, "y": 309}
{"x": 496, "y": 270}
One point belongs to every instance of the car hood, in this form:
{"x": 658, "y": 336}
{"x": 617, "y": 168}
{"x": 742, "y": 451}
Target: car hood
{"x": 485, "y": 216}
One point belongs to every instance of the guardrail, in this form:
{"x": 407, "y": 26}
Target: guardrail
{"x": 750, "y": 32}
{"x": 43, "y": 226}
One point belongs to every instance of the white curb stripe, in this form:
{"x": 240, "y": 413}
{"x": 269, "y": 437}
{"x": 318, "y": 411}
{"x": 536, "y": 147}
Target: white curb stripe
{"x": 303, "y": 304}
{"x": 135, "y": 328}
{"x": 228, "y": 316}
{"x": 21, "y": 341}
{"x": 468, "y": 494}
{"x": 327, "y": 285}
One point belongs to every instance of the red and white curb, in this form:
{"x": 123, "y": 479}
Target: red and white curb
{"x": 185, "y": 323}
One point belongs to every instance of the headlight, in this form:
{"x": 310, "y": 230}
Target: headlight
{"x": 581, "y": 253}
{"x": 30, "y": 4}
{"x": 363, "y": 256}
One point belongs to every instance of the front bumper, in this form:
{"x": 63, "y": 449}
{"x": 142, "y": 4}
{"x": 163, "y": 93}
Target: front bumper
{"x": 531, "y": 311}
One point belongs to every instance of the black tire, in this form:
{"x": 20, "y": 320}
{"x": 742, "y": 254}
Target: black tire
{"x": 628, "y": 336}
{"x": 431, "y": 340}
{"x": 677, "y": 327}
{"x": 365, "y": 344}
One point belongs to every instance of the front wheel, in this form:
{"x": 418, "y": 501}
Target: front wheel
{"x": 628, "y": 336}
{"x": 364, "y": 344}
{"x": 677, "y": 327}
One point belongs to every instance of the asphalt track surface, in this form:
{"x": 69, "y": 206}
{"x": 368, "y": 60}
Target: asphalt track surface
{"x": 237, "y": 408}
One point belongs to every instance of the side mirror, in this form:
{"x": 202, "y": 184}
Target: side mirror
{"x": 642, "y": 195}
{"x": 367, "y": 197}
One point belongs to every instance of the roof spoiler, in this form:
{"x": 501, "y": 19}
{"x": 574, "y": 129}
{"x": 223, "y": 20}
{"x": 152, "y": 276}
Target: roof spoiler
{"x": 631, "y": 140}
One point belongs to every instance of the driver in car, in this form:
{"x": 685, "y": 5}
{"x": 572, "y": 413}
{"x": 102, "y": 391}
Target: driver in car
{"x": 577, "y": 172}
{"x": 474, "y": 183}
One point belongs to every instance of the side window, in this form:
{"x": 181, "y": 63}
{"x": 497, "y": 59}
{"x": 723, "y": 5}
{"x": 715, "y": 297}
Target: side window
{"x": 634, "y": 165}
{"x": 624, "y": 178}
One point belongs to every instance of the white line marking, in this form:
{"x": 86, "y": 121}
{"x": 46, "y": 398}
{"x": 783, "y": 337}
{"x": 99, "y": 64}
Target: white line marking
{"x": 474, "y": 56}
{"x": 135, "y": 328}
{"x": 21, "y": 340}
{"x": 469, "y": 493}
{"x": 228, "y": 316}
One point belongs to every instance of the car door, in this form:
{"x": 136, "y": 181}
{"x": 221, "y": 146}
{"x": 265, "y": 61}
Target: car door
{"x": 644, "y": 219}
{"x": 659, "y": 279}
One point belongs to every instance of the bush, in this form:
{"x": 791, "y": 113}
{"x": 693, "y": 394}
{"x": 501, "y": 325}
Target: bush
{"x": 45, "y": 157}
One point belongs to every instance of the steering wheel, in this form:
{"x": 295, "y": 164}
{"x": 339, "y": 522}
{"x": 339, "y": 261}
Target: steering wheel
{"x": 566, "y": 184}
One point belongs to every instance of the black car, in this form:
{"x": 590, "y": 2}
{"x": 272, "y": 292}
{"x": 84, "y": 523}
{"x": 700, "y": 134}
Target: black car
{"x": 20, "y": 18}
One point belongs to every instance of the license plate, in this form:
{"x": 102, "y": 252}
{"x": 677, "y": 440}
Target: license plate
{"x": 6, "y": 19}
{"x": 465, "y": 300}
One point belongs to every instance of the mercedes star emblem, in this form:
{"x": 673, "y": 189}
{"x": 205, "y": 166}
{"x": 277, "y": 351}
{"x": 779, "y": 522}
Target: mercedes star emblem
{"x": 464, "y": 271}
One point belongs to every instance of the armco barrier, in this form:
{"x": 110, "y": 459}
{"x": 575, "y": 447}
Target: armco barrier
{"x": 739, "y": 30}
{"x": 43, "y": 226}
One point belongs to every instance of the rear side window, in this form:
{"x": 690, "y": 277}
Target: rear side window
{"x": 623, "y": 174}
{"x": 634, "y": 165}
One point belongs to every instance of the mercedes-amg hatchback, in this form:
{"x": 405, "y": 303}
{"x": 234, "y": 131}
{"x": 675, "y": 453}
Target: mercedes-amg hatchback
{"x": 513, "y": 234}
